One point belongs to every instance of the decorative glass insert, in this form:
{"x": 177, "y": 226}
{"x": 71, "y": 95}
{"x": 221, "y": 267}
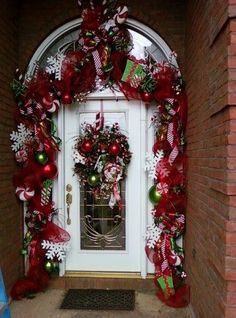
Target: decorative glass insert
{"x": 68, "y": 41}
{"x": 102, "y": 227}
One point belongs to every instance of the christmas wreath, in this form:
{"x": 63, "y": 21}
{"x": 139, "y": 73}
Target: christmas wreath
{"x": 101, "y": 58}
{"x": 101, "y": 158}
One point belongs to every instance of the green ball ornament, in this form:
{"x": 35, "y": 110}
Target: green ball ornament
{"x": 48, "y": 265}
{"x": 41, "y": 158}
{"x": 55, "y": 267}
{"x": 154, "y": 195}
{"x": 93, "y": 179}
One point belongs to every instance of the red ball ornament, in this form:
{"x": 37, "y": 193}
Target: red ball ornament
{"x": 114, "y": 149}
{"x": 147, "y": 97}
{"x": 87, "y": 146}
{"x": 66, "y": 99}
{"x": 49, "y": 171}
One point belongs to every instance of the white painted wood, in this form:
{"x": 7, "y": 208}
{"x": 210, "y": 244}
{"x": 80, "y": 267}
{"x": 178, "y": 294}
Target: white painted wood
{"x": 129, "y": 259}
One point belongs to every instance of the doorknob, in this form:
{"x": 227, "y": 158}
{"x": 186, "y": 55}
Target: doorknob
{"x": 68, "y": 202}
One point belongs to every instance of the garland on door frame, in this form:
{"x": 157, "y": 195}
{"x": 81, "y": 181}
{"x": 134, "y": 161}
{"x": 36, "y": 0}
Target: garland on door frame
{"x": 99, "y": 59}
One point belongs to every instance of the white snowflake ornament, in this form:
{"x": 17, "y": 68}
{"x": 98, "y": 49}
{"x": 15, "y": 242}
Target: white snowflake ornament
{"x": 152, "y": 235}
{"x": 57, "y": 250}
{"x": 20, "y": 137}
{"x": 151, "y": 163}
{"x": 55, "y": 64}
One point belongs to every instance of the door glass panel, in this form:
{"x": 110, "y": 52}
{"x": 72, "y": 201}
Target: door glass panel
{"x": 102, "y": 227}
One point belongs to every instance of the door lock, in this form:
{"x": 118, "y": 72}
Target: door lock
{"x": 68, "y": 202}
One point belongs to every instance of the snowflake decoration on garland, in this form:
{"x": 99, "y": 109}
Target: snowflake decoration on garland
{"x": 57, "y": 250}
{"x": 19, "y": 138}
{"x": 161, "y": 169}
{"x": 152, "y": 235}
{"x": 151, "y": 163}
{"x": 55, "y": 64}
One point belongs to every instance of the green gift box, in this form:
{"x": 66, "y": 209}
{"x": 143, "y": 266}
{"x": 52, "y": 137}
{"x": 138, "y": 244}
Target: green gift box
{"x": 167, "y": 285}
{"x": 133, "y": 71}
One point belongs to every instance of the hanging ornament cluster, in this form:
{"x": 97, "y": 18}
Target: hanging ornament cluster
{"x": 101, "y": 158}
{"x": 101, "y": 58}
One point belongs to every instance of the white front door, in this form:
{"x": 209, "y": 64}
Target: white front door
{"x": 123, "y": 253}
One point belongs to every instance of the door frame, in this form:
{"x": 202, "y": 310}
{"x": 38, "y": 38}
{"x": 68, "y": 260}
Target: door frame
{"x": 142, "y": 179}
{"x": 146, "y": 134}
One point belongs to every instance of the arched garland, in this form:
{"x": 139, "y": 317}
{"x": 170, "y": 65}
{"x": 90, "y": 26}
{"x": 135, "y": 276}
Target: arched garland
{"x": 101, "y": 59}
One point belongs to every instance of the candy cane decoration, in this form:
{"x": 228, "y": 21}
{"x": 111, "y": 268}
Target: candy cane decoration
{"x": 99, "y": 122}
{"x": 52, "y": 105}
{"x": 46, "y": 192}
{"x": 121, "y": 16}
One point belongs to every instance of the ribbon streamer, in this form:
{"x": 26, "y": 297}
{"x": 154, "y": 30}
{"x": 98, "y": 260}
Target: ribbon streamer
{"x": 97, "y": 62}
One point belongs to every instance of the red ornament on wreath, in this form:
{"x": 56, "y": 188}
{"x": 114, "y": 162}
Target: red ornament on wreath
{"x": 87, "y": 146}
{"x": 114, "y": 149}
{"x": 66, "y": 99}
{"x": 49, "y": 171}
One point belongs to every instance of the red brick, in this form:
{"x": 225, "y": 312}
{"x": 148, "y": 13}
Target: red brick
{"x": 231, "y": 286}
{"x": 230, "y": 226}
{"x": 232, "y": 10}
{"x": 230, "y": 312}
{"x": 230, "y": 275}
{"x": 230, "y": 298}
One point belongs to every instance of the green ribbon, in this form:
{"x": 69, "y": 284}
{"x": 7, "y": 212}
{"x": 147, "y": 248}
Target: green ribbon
{"x": 53, "y": 132}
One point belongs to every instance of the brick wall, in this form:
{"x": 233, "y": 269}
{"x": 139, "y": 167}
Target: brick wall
{"x": 211, "y": 214}
{"x": 10, "y": 216}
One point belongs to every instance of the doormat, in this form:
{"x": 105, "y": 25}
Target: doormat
{"x": 99, "y": 299}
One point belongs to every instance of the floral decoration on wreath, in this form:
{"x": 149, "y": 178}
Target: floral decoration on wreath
{"x": 101, "y": 58}
{"x": 101, "y": 159}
